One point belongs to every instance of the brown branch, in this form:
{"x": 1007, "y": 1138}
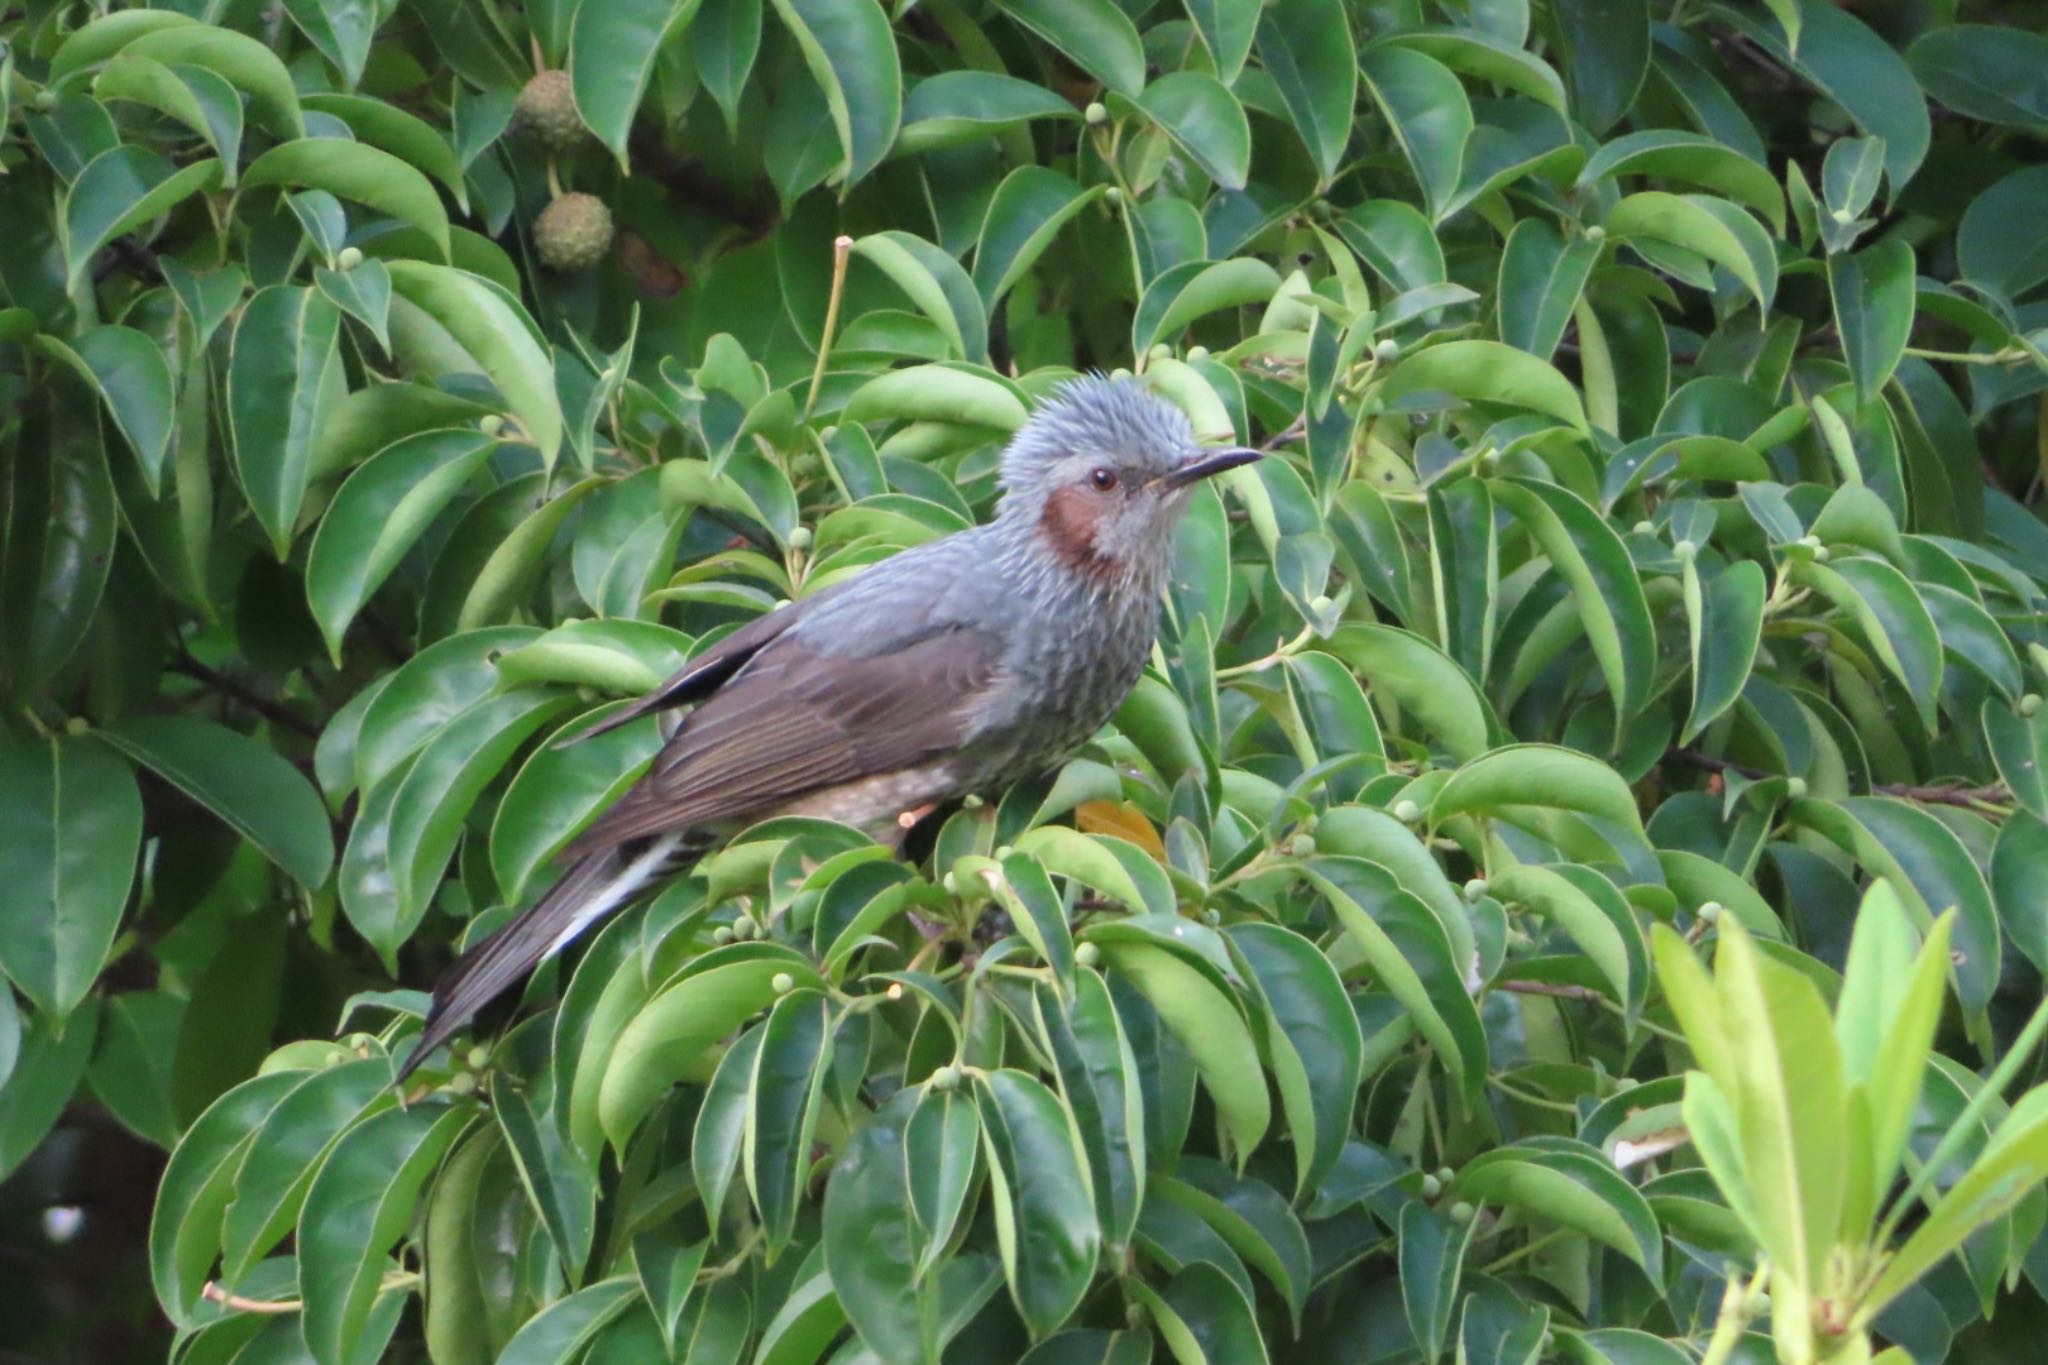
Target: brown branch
{"x": 1940, "y": 796}
{"x": 243, "y": 697}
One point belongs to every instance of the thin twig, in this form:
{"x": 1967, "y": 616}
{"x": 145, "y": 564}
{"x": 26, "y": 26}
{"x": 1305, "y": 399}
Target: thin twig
{"x": 242, "y": 696}
{"x": 1562, "y": 992}
{"x": 1943, "y": 796}
{"x": 842, "y": 248}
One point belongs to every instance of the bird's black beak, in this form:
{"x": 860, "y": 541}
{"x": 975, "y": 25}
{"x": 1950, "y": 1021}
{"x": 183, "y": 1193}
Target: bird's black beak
{"x": 1209, "y": 462}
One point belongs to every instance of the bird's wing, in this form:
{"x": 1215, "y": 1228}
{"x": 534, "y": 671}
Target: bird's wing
{"x": 796, "y": 721}
{"x": 699, "y": 677}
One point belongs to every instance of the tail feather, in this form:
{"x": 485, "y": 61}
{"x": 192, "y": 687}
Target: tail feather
{"x": 590, "y": 890}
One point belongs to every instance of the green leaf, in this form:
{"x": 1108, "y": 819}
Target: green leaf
{"x": 1315, "y": 1050}
{"x": 364, "y": 293}
{"x": 1873, "y": 296}
{"x": 1422, "y": 680}
{"x": 1099, "y": 1081}
{"x": 1204, "y": 120}
{"x": 192, "y": 95}
{"x": 1431, "y": 1255}
{"x": 1098, "y": 36}
{"x": 247, "y": 784}
{"x": 558, "y": 1181}
{"x": 558, "y": 791}
{"x": 1029, "y": 208}
{"x": 788, "y": 1086}
{"x": 46, "y": 1073}
{"x": 286, "y": 1152}
{"x": 199, "y": 1183}
{"x": 1537, "y": 775}
{"x": 1195, "y": 289}
{"x": 284, "y": 347}
{"x": 1541, "y": 279}
{"x": 1725, "y": 619}
{"x": 1430, "y": 114}
{"x": 1593, "y": 914}
{"x": 940, "y": 1150}
{"x": 1488, "y": 57}
{"x": 1204, "y": 1316}
{"x": 378, "y": 514}
{"x": 2019, "y": 749}
{"x": 359, "y": 172}
{"x": 1044, "y": 1213}
{"x": 244, "y": 62}
{"x": 70, "y": 832}
{"x": 1891, "y": 616}
{"x": 386, "y": 126}
{"x": 560, "y": 1331}
{"x": 1606, "y": 51}
{"x": 1307, "y": 48}
{"x": 1585, "y": 551}
{"x": 341, "y": 29}
{"x": 1487, "y": 372}
{"x": 963, "y": 106}
{"x": 1208, "y": 1021}
{"x": 2019, "y": 859}
{"x": 1571, "y": 1185}
{"x": 1405, "y": 945}
{"x": 497, "y": 333}
{"x": 1930, "y": 868}
{"x": 1993, "y": 247}
{"x": 133, "y": 377}
{"x": 1985, "y": 71}
{"x": 1694, "y": 159}
{"x": 120, "y": 190}
{"x": 359, "y": 1204}
{"x": 851, "y": 53}
{"x": 1712, "y": 228}
{"x": 612, "y": 52}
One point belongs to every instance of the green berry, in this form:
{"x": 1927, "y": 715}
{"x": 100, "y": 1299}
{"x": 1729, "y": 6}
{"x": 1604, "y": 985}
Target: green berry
{"x": 1709, "y": 911}
{"x": 1461, "y": 1212}
{"x": 782, "y": 983}
{"x": 2030, "y": 704}
{"x": 479, "y": 1057}
{"x": 1474, "y": 889}
{"x": 951, "y": 883}
{"x": 1596, "y": 233}
{"x": 1301, "y": 845}
{"x": 1645, "y": 528}
{"x": 1088, "y": 955}
{"x": 490, "y": 424}
{"x": 1112, "y": 196}
{"x": 1407, "y": 812}
{"x": 1431, "y": 1187}
{"x": 1386, "y": 349}
{"x": 1446, "y": 1174}
{"x": 722, "y": 935}
{"x": 1622, "y": 1084}
{"x": 348, "y": 258}
{"x": 547, "y": 110}
{"x": 1322, "y": 604}
{"x": 462, "y": 1083}
{"x": 1686, "y": 551}
{"x": 573, "y": 232}
{"x": 1795, "y": 787}
{"x": 1820, "y": 554}
{"x": 1161, "y": 352}
{"x": 800, "y": 538}
{"x": 972, "y": 801}
{"x": 1212, "y": 917}
{"x": 1003, "y": 852}
{"x": 1095, "y": 114}
{"x": 44, "y": 101}
{"x": 1198, "y": 353}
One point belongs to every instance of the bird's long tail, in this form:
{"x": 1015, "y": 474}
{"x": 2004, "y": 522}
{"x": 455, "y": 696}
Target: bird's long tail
{"x": 589, "y": 891}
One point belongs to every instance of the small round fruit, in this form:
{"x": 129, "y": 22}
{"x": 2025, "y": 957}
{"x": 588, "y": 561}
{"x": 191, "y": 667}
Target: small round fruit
{"x": 1088, "y": 955}
{"x": 1795, "y": 787}
{"x": 1095, "y": 114}
{"x": 2030, "y": 704}
{"x": 1407, "y": 812}
{"x": 490, "y": 424}
{"x": 348, "y": 258}
{"x": 478, "y": 1058}
{"x": 1386, "y": 349}
{"x": 1322, "y": 603}
{"x": 1461, "y": 1212}
{"x": 1302, "y": 845}
{"x": 547, "y": 110}
{"x": 1162, "y": 351}
{"x": 1431, "y": 1187}
{"x": 1710, "y": 911}
{"x": 1596, "y": 233}
{"x": 1474, "y": 889}
{"x": 1212, "y": 917}
{"x": 722, "y": 935}
{"x": 462, "y": 1083}
{"x": 1686, "y": 551}
{"x": 573, "y": 232}
{"x": 800, "y": 538}
{"x": 1198, "y": 353}
{"x": 44, "y": 100}
{"x": 782, "y": 983}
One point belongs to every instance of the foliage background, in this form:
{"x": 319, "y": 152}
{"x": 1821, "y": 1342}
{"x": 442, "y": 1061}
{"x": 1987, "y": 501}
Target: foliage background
{"x": 1661, "y": 383}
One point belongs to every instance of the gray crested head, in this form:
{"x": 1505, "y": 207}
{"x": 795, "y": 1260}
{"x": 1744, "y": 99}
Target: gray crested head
{"x": 1096, "y": 481}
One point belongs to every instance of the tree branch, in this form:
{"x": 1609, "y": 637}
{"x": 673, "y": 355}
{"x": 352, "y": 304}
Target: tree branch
{"x": 251, "y": 701}
{"x": 1933, "y": 795}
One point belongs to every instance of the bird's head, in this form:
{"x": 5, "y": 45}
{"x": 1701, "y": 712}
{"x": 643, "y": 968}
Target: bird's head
{"x": 1099, "y": 477}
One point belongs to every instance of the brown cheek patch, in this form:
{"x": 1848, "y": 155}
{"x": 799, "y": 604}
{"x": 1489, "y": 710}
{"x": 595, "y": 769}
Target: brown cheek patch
{"x": 1069, "y": 523}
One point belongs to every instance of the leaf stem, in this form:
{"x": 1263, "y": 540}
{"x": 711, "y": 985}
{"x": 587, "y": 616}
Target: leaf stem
{"x": 842, "y": 247}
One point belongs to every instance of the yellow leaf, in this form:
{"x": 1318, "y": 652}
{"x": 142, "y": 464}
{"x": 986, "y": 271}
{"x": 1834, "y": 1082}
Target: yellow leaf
{"x": 1122, "y": 819}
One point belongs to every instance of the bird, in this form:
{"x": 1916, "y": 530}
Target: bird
{"x": 979, "y": 656}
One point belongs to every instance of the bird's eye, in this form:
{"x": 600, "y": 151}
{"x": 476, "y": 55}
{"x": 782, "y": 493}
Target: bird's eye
{"x": 1103, "y": 478}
